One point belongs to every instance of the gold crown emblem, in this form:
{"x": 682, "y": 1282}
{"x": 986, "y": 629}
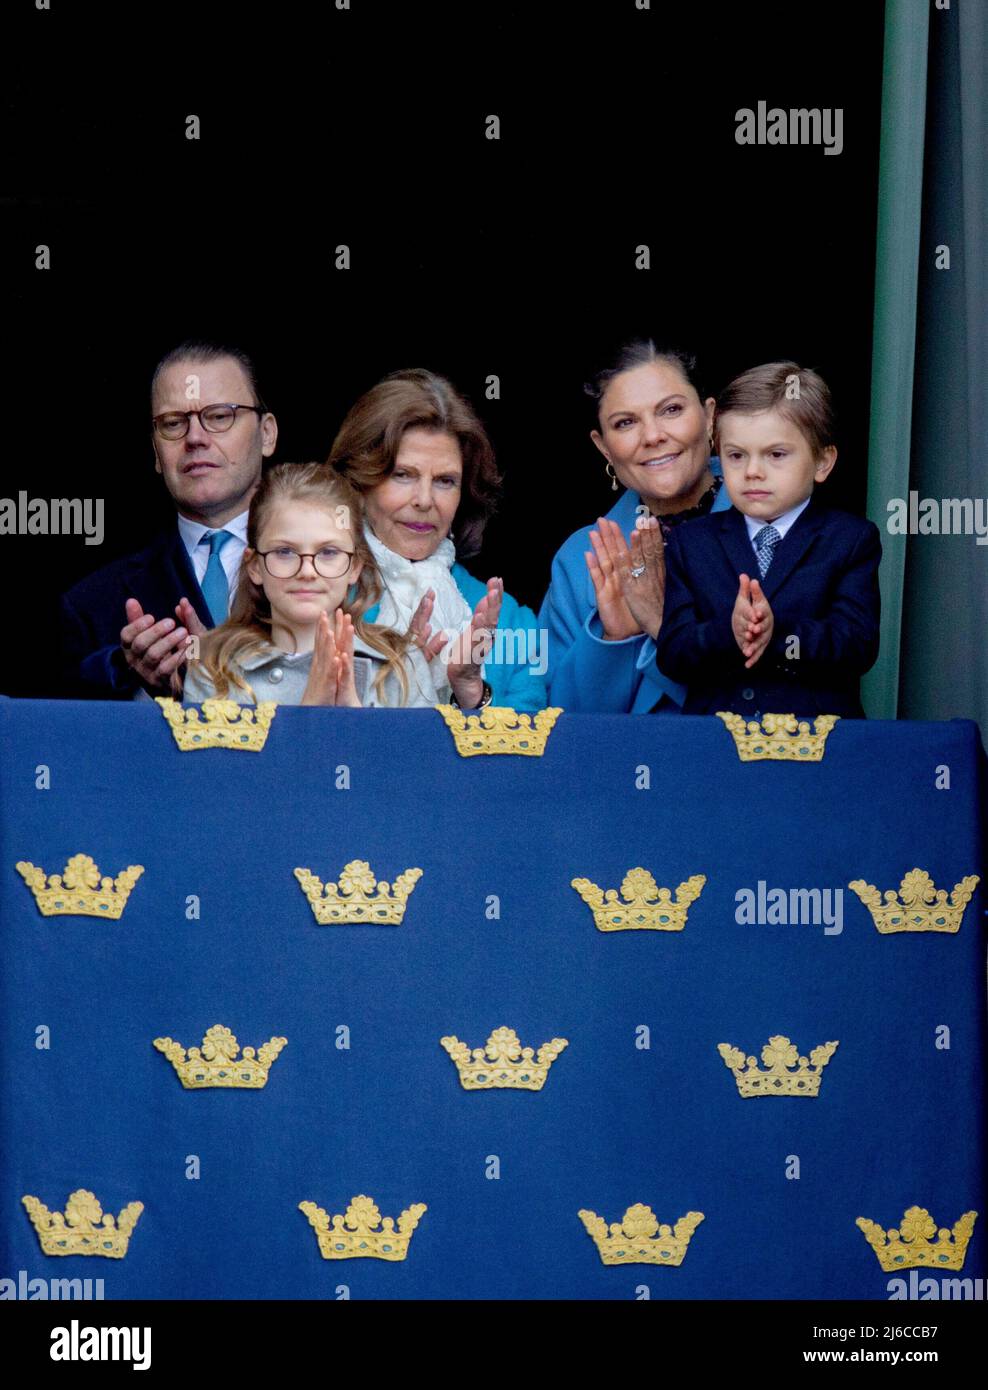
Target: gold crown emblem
{"x": 645, "y": 906}
{"x": 638, "y": 1239}
{"x": 216, "y": 1062}
{"x": 79, "y": 1231}
{"x": 911, "y": 1246}
{"x": 358, "y": 897}
{"x": 503, "y": 1064}
{"x": 222, "y": 724}
{"x": 923, "y": 907}
{"x": 357, "y": 1233}
{"x": 80, "y": 891}
{"x": 499, "y": 730}
{"x": 788, "y": 1074}
{"x": 779, "y": 737}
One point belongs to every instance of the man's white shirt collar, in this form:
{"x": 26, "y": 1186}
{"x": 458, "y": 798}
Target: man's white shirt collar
{"x": 192, "y": 532}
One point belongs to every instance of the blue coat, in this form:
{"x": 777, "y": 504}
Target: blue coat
{"x": 513, "y": 683}
{"x": 822, "y": 586}
{"x": 587, "y": 673}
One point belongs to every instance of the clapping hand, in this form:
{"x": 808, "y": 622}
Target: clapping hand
{"x": 752, "y": 620}
{"x": 194, "y": 626}
{"x": 155, "y": 650}
{"x": 421, "y": 629}
{"x": 629, "y": 582}
{"x": 604, "y": 563}
{"x": 637, "y": 573}
{"x": 466, "y": 654}
{"x": 331, "y": 674}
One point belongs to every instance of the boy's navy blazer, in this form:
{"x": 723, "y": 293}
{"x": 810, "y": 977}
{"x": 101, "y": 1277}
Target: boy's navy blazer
{"x": 822, "y": 586}
{"x": 93, "y": 612}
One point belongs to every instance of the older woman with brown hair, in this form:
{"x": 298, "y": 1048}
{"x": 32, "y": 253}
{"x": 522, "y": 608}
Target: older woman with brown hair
{"x": 417, "y": 452}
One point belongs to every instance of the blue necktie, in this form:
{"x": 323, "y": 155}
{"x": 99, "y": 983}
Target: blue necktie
{"x": 765, "y": 542}
{"x": 215, "y": 586}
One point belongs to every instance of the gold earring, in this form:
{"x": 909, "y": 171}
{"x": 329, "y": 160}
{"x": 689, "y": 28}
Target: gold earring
{"x": 609, "y": 470}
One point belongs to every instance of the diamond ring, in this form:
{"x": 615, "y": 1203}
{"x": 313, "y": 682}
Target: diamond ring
{"x": 637, "y": 571}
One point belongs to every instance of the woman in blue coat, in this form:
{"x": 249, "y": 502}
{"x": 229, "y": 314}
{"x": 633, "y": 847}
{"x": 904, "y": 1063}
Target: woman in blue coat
{"x": 418, "y": 453}
{"x": 604, "y": 605}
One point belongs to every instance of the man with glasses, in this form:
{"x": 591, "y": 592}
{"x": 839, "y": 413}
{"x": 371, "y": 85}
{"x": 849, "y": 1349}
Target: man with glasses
{"x": 125, "y": 628}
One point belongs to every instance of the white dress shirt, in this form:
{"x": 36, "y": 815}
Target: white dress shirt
{"x": 192, "y": 533}
{"x": 781, "y": 523}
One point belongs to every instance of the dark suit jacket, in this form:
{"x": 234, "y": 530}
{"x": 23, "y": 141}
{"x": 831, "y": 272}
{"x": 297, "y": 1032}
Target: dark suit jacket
{"x": 92, "y": 614}
{"x": 822, "y": 586}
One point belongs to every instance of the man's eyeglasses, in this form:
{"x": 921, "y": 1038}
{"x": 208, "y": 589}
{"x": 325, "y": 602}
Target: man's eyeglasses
{"x": 174, "y": 424}
{"x": 284, "y": 563}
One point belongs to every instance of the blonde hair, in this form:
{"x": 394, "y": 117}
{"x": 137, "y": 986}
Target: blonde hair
{"x": 247, "y": 630}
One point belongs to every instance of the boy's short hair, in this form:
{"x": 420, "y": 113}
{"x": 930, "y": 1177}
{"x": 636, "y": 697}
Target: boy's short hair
{"x": 798, "y": 393}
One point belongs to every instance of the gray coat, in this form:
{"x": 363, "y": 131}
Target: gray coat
{"x": 282, "y": 677}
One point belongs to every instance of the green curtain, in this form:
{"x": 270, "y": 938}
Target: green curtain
{"x": 929, "y": 408}
{"x": 930, "y": 360}
{"x": 944, "y": 670}
{"x": 894, "y": 343}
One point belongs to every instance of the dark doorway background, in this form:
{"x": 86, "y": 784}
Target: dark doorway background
{"x": 472, "y": 257}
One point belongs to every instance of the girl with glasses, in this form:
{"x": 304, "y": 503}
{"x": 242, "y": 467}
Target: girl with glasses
{"x": 297, "y": 633}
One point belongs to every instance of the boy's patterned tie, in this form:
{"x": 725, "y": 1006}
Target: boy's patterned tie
{"x": 215, "y": 587}
{"x": 765, "y": 542}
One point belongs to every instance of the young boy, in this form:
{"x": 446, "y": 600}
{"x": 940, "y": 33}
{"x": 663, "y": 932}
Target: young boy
{"x": 773, "y": 605}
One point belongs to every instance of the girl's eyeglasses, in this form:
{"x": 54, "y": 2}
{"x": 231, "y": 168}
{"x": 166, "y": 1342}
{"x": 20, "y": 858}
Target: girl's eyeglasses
{"x": 283, "y": 563}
